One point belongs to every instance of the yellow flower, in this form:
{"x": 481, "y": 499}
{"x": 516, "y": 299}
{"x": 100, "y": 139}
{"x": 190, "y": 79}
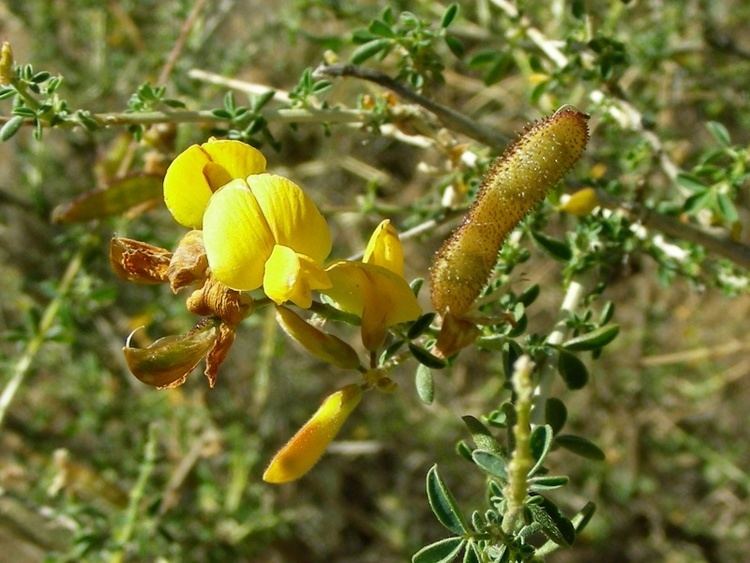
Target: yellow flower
{"x": 375, "y": 290}
{"x": 199, "y": 171}
{"x": 258, "y": 229}
{"x": 306, "y": 447}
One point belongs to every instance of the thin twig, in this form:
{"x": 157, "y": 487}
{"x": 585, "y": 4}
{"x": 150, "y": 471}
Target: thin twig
{"x": 734, "y": 251}
{"x": 179, "y": 44}
{"x": 249, "y": 88}
{"x": 125, "y": 532}
{"x": 451, "y": 118}
{"x": 22, "y": 365}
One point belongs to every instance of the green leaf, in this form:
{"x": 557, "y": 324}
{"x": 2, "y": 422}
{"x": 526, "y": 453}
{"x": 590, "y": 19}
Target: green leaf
{"x": 420, "y": 325}
{"x": 529, "y": 295}
{"x": 455, "y": 45}
{"x": 11, "y": 127}
{"x": 483, "y": 438}
{"x": 580, "y": 446}
{"x": 491, "y": 463}
{"x": 727, "y": 208}
{"x": 449, "y": 15}
{"x": 425, "y": 384}
{"x": 483, "y": 57}
{"x": 424, "y": 357}
{"x": 555, "y": 413}
{"x": 379, "y": 27}
{"x": 369, "y": 50}
{"x": 690, "y": 182}
{"x": 572, "y": 370}
{"x": 540, "y": 442}
{"x": 547, "y": 482}
{"x": 441, "y": 551}
{"x": 607, "y": 313}
{"x": 592, "y": 340}
{"x": 554, "y": 525}
{"x": 719, "y": 132}
{"x": 583, "y": 517}
{"x": 556, "y": 248}
{"x": 471, "y": 555}
{"x": 443, "y": 504}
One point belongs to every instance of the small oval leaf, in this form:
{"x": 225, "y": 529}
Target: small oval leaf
{"x": 540, "y": 442}
{"x": 592, "y": 340}
{"x": 425, "y": 384}
{"x": 425, "y": 358}
{"x": 580, "y": 446}
{"x": 483, "y": 438}
{"x": 441, "y": 551}
{"x": 555, "y": 414}
{"x": 443, "y": 504}
{"x": 491, "y": 463}
{"x": 369, "y": 50}
{"x": 572, "y": 370}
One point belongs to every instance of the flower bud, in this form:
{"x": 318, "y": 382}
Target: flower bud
{"x": 516, "y": 182}
{"x": 6, "y": 64}
{"x": 306, "y": 447}
{"x": 580, "y": 203}
{"x": 326, "y": 347}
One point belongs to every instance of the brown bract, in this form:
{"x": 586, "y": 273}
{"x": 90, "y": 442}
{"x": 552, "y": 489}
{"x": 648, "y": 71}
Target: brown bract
{"x": 515, "y": 184}
{"x": 137, "y": 261}
{"x": 189, "y": 262}
{"x": 215, "y": 299}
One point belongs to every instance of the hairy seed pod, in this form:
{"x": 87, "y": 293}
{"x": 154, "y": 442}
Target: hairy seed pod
{"x": 515, "y": 184}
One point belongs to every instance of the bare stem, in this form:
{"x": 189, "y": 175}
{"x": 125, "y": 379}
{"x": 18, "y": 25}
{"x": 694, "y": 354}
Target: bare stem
{"x": 451, "y": 118}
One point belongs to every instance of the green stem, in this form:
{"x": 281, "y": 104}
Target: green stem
{"x": 289, "y": 115}
{"x": 522, "y": 460}
{"x": 20, "y": 87}
{"x": 21, "y": 368}
{"x": 123, "y": 535}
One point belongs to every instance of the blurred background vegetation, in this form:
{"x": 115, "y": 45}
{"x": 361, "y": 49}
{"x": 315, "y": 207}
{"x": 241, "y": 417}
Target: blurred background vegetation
{"x": 95, "y": 465}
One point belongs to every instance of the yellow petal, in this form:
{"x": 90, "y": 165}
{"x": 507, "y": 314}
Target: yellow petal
{"x": 292, "y": 216}
{"x": 384, "y": 249}
{"x": 237, "y": 158}
{"x": 236, "y": 236}
{"x": 186, "y": 189}
{"x": 290, "y": 276}
{"x": 580, "y": 203}
{"x": 306, "y": 447}
{"x": 377, "y": 295}
{"x": 322, "y": 345}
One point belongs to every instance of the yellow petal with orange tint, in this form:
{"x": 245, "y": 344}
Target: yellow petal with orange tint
{"x": 237, "y": 158}
{"x": 292, "y": 216}
{"x": 377, "y": 295}
{"x": 186, "y": 189}
{"x": 290, "y": 276}
{"x": 307, "y": 446}
{"x": 236, "y": 236}
{"x": 384, "y": 249}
